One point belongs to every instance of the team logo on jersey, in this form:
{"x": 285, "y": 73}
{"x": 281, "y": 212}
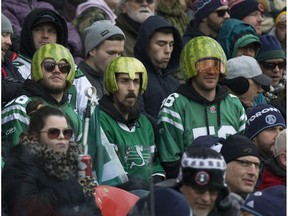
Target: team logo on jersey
{"x": 202, "y": 178}
{"x": 212, "y": 109}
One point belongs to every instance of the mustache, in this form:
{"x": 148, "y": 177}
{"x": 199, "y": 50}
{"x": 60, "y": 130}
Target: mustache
{"x": 131, "y": 95}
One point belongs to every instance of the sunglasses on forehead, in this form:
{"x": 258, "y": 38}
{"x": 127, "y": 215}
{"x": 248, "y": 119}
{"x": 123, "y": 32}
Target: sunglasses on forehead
{"x": 54, "y": 133}
{"x": 222, "y": 12}
{"x": 142, "y": 1}
{"x": 272, "y": 65}
{"x": 50, "y": 66}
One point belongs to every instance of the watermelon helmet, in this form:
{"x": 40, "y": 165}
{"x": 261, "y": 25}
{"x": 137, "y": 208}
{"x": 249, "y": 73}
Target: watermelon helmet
{"x": 56, "y": 52}
{"x": 128, "y": 65}
{"x": 200, "y": 48}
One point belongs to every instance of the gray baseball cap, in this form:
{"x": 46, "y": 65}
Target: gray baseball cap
{"x": 248, "y": 67}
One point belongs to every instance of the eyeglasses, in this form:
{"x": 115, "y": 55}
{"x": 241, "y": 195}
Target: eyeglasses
{"x": 272, "y": 65}
{"x": 50, "y": 66}
{"x": 206, "y": 64}
{"x": 247, "y": 164}
{"x": 142, "y": 1}
{"x": 54, "y": 133}
{"x": 222, "y": 12}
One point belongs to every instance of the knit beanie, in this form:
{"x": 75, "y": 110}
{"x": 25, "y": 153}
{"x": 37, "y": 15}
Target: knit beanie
{"x": 270, "y": 49}
{"x": 98, "y": 32}
{"x": 209, "y": 141}
{"x": 202, "y": 8}
{"x": 268, "y": 202}
{"x": 281, "y": 18}
{"x": 280, "y": 143}
{"x": 6, "y": 25}
{"x": 262, "y": 117}
{"x": 242, "y": 8}
{"x": 165, "y": 202}
{"x": 202, "y": 168}
{"x": 237, "y": 146}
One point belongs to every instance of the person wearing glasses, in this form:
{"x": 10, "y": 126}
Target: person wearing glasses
{"x": 198, "y": 107}
{"x": 40, "y": 173}
{"x": 272, "y": 60}
{"x": 243, "y": 164}
{"x": 209, "y": 18}
{"x": 52, "y": 72}
{"x": 132, "y": 13}
{"x": 248, "y": 11}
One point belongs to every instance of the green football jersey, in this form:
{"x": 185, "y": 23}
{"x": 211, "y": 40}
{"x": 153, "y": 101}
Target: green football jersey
{"x": 182, "y": 120}
{"x": 135, "y": 147}
{"x": 15, "y": 120}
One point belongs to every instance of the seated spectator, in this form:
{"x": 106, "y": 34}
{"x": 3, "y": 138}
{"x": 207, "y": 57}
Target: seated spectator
{"x": 274, "y": 172}
{"x": 280, "y": 28}
{"x": 40, "y": 174}
{"x": 249, "y": 11}
{"x": 272, "y": 60}
{"x": 243, "y": 164}
{"x": 91, "y": 11}
{"x": 269, "y": 202}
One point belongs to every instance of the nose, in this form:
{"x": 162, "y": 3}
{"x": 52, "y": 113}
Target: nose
{"x": 132, "y": 86}
{"x": 227, "y": 15}
{"x": 168, "y": 48}
{"x": 45, "y": 33}
{"x": 205, "y": 196}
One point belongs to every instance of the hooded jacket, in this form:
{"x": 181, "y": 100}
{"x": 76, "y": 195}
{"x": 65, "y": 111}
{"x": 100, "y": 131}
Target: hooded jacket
{"x": 230, "y": 32}
{"x": 160, "y": 83}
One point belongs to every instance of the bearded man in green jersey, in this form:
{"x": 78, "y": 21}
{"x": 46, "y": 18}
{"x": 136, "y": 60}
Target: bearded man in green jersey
{"x": 129, "y": 131}
{"x": 53, "y": 72}
{"x": 200, "y": 106}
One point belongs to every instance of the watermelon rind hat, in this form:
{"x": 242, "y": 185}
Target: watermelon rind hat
{"x": 128, "y": 65}
{"x": 56, "y": 52}
{"x": 199, "y": 48}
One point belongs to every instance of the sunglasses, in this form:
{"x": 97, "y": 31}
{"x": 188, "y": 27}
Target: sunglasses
{"x": 142, "y": 1}
{"x": 221, "y": 13}
{"x": 272, "y": 65}
{"x": 54, "y": 133}
{"x": 50, "y": 66}
{"x": 206, "y": 64}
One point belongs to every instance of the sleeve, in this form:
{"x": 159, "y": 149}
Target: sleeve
{"x": 14, "y": 121}
{"x": 170, "y": 131}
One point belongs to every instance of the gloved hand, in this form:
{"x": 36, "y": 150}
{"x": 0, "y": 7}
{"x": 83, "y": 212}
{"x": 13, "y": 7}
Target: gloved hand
{"x": 88, "y": 184}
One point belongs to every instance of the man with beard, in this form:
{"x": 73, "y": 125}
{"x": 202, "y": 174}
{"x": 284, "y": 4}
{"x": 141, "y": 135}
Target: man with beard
{"x": 129, "y": 131}
{"x": 133, "y": 14}
{"x": 209, "y": 17}
{"x": 52, "y": 72}
{"x": 200, "y": 106}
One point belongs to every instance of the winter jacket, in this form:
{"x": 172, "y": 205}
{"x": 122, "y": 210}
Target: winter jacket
{"x": 160, "y": 83}
{"x": 130, "y": 29}
{"x": 272, "y": 175}
{"x": 230, "y": 32}
{"x": 36, "y": 185}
